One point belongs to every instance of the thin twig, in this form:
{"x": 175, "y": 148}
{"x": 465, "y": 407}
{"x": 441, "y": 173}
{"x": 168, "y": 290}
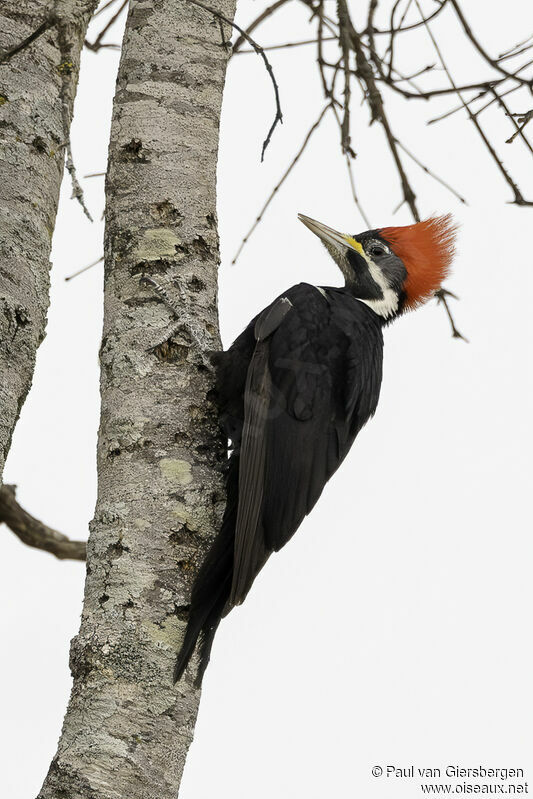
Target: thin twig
{"x": 320, "y": 52}
{"x": 225, "y": 44}
{"x": 481, "y": 50}
{"x": 520, "y": 123}
{"x": 356, "y": 200}
{"x": 344, "y": 42}
{"x": 85, "y": 268}
{"x": 281, "y": 181}
{"x": 411, "y": 27}
{"x": 260, "y": 19}
{"x": 441, "y": 90}
{"x": 104, "y": 8}
{"x": 44, "y": 26}
{"x": 506, "y": 53}
{"x": 390, "y": 47}
{"x": 429, "y": 172}
{"x": 259, "y": 50}
{"x": 77, "y": 191}
{"x": 351, "y": 179}
{"x": 441, "y": 296}
{"x": 318, "y": 11}
{"x": 476, "y": 113}
{"x": 513, "y": 55}
{"x": 288, "y": 45}
{"x": 97, "y": 45}
{"x": 65, "y": 69}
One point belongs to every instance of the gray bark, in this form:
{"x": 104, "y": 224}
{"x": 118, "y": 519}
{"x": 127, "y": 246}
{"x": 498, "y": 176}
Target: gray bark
{"x": 37, "y": 89}
{"x": 160, "y": 494}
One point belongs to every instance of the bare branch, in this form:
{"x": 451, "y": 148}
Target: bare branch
{"x": 317, "y": 11}
{"x": 281, "y": 181}
{"x": 34, "y": 533}
{"x": 372, "y": 69}
{"x": 426, "y": 95}
{"x": 394, "y": 31}
{"x": 494, "y": 62}
{"x": 507, "y": 53}
{"x": 97, "y": 44}
{"x": 5, "y": 55}
{"x": 412, "y": 27}
{"x": 65, "y": 71}
{"x": 442, "y": 295}
{"x": 253, "y": 25}
{"x": 522, "y": 119}
{"x": 320, "y": 53}
{"x": 513, "y": 55}
{"x": 519, "y": 129}
{"x": 85, "y": 268}
{"x": 104, "y": 8}
{"x": 375, "y": 102}
{"x": 461, "y": 107}
{"x": 288, "y": 45}
{"x": 259, "y": 50}
{"x": 354, "y": 192}
{"x": 429, "y": 172}
{"x": 344, "y": 41}
{"x": 518, "y": 198}
{"x": 351, "y": 178}
{"x": 77, "y": 191}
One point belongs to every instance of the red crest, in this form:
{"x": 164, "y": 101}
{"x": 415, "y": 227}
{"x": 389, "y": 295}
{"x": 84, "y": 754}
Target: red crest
{"x": 426, "y": 249}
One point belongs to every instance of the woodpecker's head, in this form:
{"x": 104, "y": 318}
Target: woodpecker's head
{"x": 392, "y": 269}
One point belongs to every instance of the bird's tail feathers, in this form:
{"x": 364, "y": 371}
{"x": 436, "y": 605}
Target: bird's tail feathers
{"x": 212, "y": 586}
{"x": 202, "y": 625}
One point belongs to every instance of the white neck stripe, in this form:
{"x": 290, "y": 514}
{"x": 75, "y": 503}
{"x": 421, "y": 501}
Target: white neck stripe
{"x": 388, "y": 304}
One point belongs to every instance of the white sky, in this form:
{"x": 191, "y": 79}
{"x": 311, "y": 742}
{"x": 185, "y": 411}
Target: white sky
{"x": 395, "y": 628}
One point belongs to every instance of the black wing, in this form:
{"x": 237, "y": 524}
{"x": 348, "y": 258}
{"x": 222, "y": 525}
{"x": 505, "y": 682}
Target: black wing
{"x": 312, "y": 382}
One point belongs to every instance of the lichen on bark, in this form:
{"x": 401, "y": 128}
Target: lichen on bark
{"x": 36, "y": 102}
{"x": 160, "y": 489}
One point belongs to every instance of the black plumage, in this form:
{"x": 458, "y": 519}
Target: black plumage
{"x": 294, "y": 390}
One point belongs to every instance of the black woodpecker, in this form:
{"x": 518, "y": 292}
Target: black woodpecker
{"x": 294, "y": 390}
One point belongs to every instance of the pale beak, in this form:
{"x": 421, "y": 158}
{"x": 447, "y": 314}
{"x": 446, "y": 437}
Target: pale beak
{"x": 332, "y": 237}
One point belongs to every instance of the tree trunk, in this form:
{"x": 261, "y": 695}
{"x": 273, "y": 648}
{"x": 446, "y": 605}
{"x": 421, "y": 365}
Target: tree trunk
{"x": 160, "y": 498}
{"x": 37, "y": 89}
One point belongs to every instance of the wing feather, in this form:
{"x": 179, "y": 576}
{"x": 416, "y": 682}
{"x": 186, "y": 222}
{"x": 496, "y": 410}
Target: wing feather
{"x": 249, "y": 542}
{"x": 312, "y": 383}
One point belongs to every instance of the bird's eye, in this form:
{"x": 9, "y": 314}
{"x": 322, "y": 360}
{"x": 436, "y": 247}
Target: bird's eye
{"x": 377, "y": 249}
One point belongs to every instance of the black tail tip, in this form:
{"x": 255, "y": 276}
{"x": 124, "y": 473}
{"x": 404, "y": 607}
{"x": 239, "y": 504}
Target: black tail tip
{"x": 179, "y": 671}
{"x": 179, "y": 668}
{"x": 184, "y": 658}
